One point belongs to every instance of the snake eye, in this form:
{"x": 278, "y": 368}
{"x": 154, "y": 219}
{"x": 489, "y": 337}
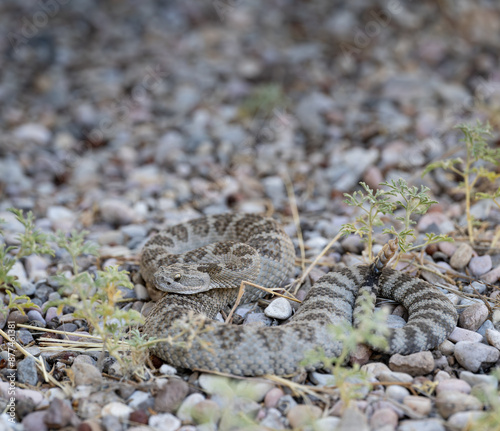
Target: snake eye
{"x": 177, "y": 277}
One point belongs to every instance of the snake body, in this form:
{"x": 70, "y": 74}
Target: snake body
{"x": 201, "y": 264}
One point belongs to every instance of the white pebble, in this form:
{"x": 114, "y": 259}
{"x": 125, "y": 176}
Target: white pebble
{"x": 280, "y": 309}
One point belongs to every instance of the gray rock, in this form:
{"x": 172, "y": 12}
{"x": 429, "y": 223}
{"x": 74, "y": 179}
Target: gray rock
{"x": 33, "y": 132}
{"x": 454, "y": 385}
{"x": 35, "y": 316}
{"x": 19, "y": 272}
{"x": 476, "y": 379}
{"x": 184, "y": 412}
{"x": 480, "y": 265}
{"x": 463, "y": 420}
{"x": 170, "y": 396}
{"x": 420, "y": 405}
{"x": 257, "y": 319}
{"x": 488, "y": 324}
{"x": 26, "y": 288}
{"x": 415, "y": 364}
{"x": 474, "y": 356}
{"x": 462, "y": 256}
{"x": 286, "y": 403}
{"x": 421, "y": 425}
{"x": 493, "y": 337}
{"x": 24, "y": 337}
{"x": 303, "y": 415}
{"x": 473, "y": 316}
{"x": 60, "y": 414}
{"x": 384, "y": 418}
{"x": 117, "y": 409}
{"x": 397, "y": 393}
{"x": 448, "y": 403}
{"x": 353, "y": 419}
{"x": 280, "y": 309}
{"x": 394, "y": 376}
{"x": 460, "y": 334}
{"x": 117, "y": 212}
{"x": 86, "y": 374}
{"x": 273, "y": 420}
{"x": 35, "y": 421}
{"x": 26, "y": 371}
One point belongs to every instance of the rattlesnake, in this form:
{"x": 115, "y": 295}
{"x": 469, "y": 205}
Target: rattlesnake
{"x": 224, "y": 250}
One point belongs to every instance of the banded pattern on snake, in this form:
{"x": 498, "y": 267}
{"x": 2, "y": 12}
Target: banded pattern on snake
{"x": 201, "y": 264}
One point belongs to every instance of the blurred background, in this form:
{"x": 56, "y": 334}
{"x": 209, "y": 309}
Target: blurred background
{"x": 123, "y": 111}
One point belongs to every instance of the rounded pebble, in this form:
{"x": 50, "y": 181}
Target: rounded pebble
{"x": 280, "y": 309}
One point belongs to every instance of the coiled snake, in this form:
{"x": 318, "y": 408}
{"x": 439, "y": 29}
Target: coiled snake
{"x": 201, "y": 264}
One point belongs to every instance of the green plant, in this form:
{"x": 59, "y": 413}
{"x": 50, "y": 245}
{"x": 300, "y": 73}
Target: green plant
{"x": 397, "y": 194}
{"x": 472, "y": 168}
{"x": 263, "y": 99}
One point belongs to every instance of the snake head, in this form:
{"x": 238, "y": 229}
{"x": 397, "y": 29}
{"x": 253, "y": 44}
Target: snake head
{"x": 181, "y": 278}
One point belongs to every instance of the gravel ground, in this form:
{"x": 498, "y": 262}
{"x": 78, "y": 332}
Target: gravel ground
{"x": 121, "y": 118}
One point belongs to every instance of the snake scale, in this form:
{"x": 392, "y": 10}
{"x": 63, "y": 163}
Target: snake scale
{"x": 201, "y": 264}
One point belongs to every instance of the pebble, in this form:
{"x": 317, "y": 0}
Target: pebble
{"x": 421, "y": 425}
{"x": 206, "y": 411}
{"x": 116, "y": 212}
{"x": 280, "y": 309}
{"x": 353, "y": 419}
{"x": 476, "y": 379}
{"x": 168, "y": 370}
{"x": 117, "y": 409}
{"x": 286, "y": 403}
{"x": 474, "y": 356}
{"x": 448, "y": 403}
{"x": 24, "y": 337}
{"x": 184, "y": 412}
{"x": 491, "y": 276}
{"x": 35, "y": 316}
{"x": 86, "y": 374}
{"x": 257, "y": 319}
{"x": 35, "y": 421}
{"x": 385, "y": 419}
{"x": 462, "y": 421}
{"x": 441, "y": 375}
{"x": 326, "y": 424}
{"x": 139, "y": 416}
{"x": 26, "y": 371}
{"x": 473, "y": 316}
{"x": 302, "y": 415}
{"x": 480, "y": 265}
{"x": 164, "y": 422}
{"x": 420, "y": 405}
{"x": 273, "y": 420}
{"x": 170, "y": 396}
{"x": 454, "y": 385}
{"x": 33, "y": 132}
{"x": 395, "y": 377}
{"x": 60, "y": 414}
{"x": 446, "y": 348}
{"x": 462, "y": 256}
{"x": 397, "y": 393}
{"x": 140, "y": 400}
{"x": 272, "y": 397}
{"x": 493, "y": 337}
{"x": 460, "y": 334}
{"x": 375, "y": 369}
{"x": 415, "y": 364}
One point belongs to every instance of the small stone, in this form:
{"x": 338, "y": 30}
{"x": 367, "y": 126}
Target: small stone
{"x": 384, "y": 419}
{"x": 448, "y": 248}
{"x": 326, "y": 424}
{"x": 273, "y": 420}
{"x": 184, "y": 412}
{"x": 476, "y": 379}
{"x": 35, "y": 316}
{"x": 454, "y": 385}
{"x": 34, "y": 421}
{"x": 26, "y": 371}
{"x": 206, "y": 411}
{"x": 446, "y": 348}
{"x": 420, "y": 405}
{"x": 280, "y": 309}
{"x": 353, "y": 419}
{"x": 60, "y": 414}
{"x": 416, "y": 364}
{"x": 257, "y": 319}
{"x": 168, "y": 370}
{"x": 253, "y": 390}
{"x": 286, "y": 403}
{"x": 375, "y": 369}
{"x": 170, "y": 396}
{"x": 86, "y": 374}
{"x": 463, "y": 420}
{"x": 491, "y": 276}
{"x": 33, "y": 132}
{"x": 117, "y": 409}
{"x": 111, "y": 423}
{"x": 441, "y": 375}
{"x": 448, "y": 403}
{"x": 303, "y": 415}
{"x": 474, "y": 356}
{"x": 394, "y": 376}
{"x": 421, "y": 425}
{"x": 24, "y": 337}
{"x": 139, "y": 417}
{"x": 480, "y": 265}
{"x": 493, "y": 337}
{"x": 460, "y": 334}
{"x": 322, "y": 379}
{"x": 397, "y": 393}
{"x": 61, "y": 217}
{"x": 473, "y": 316}
{"x": 462, "y": 256}
{"x": 140, "y": 400}
{"x": 117, "y": 212}
{"x": 272, "y": 397}
{"x": 19, "y": 272}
